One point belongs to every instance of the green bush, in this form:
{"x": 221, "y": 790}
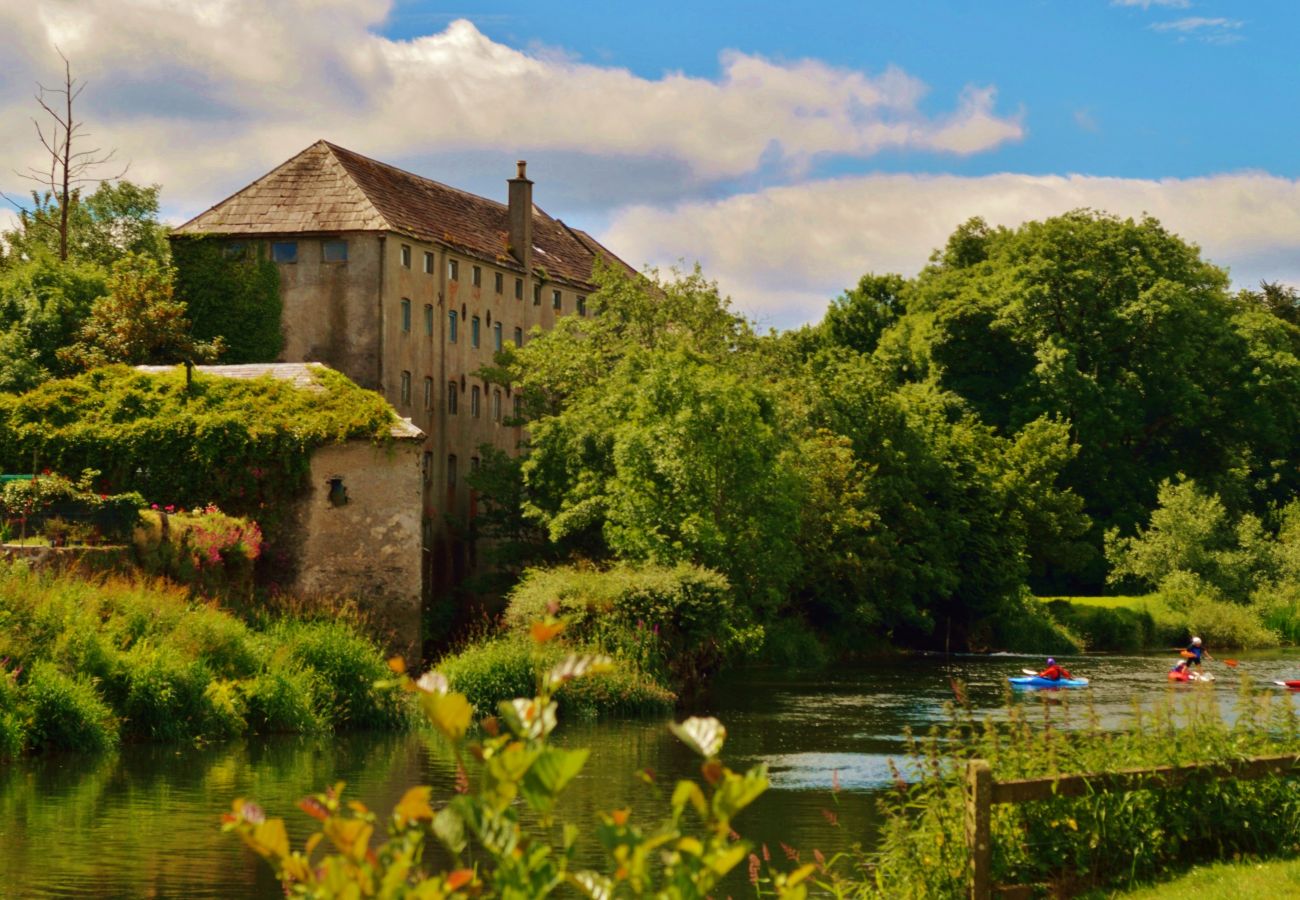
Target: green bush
{"x": 790, "y": 643}
{"x": 1026, "y": 626}
{"x": 680, "y": 623}
{"x": 140, "y": 659}
{"x": 1118, "y": 629}
{"x": 347, "y": 666}
{"x": 1202, "y": 611}
{"x": 66, "y": 713}
{"x": 13, "y": 730}
{"x": 283, "y": 700}
{"x": 505, "y": 667}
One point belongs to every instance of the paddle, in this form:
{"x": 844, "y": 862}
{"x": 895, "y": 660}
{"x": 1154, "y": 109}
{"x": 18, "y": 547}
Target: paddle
{"x": 1030, "y": 671}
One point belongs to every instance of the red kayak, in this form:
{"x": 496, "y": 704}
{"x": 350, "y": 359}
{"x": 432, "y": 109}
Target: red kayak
{"x": 1195, "y": 677}
{"x": 1293, "y": 685}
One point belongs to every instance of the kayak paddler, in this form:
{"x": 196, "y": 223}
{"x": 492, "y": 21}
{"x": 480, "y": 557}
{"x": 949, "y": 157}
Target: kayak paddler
{"x": 1195, "y": 650}
{"x": 1053, "y": 672}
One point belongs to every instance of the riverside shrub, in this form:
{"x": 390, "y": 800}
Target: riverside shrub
{"x": 111, "y": 658}
{"x": 678, "y": 623}
{"x": 503, "y": 667}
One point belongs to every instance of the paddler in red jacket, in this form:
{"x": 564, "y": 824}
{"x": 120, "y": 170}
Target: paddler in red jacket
{"x": 1053, "y": 672}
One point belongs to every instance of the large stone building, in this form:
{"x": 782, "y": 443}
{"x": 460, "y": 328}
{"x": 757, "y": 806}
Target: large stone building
{"x": 408, "y": 287}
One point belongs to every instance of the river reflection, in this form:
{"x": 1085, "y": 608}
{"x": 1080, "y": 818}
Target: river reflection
{"x": 144, "y": 822}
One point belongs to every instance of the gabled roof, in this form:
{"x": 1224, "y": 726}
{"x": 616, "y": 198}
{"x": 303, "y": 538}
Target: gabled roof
{"x": 301, "y": 375}
{"x": 327, "y": 189}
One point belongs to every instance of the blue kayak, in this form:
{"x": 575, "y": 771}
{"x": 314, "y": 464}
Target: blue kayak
{"x": 1035, "y": 681}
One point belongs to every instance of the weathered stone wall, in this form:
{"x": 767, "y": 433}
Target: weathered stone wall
{"x": 331, "y": 309}
{"x": 368, "y": 548}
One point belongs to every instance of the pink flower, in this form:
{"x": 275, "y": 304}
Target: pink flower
{"x": 169, "y": 508}
{"x": 153, "y": 505}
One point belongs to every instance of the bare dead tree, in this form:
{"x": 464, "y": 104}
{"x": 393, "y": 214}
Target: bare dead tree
{"x": 70, "y": 168}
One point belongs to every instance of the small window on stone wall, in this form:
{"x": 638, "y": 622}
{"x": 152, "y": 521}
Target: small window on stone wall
{"x": 474, "y": 401}
{"x": 519, "y": 289}
{"x": 556, "y": 299}
{"x": 451, "y": 471}
{"x": 406, "y": 388}
{"x": 453, "y": 393}
{"x": 406, "y": 257}
{"x": 334, "y": 251}
{"x": 500, "y": 283}
{"x": 406, "y": 314}
{"x": 284, "y": 251}
{"x": 428, "y": 264}
{"x": 428, "y": 393}
{"x": 453, "y": 269}
{"x": 477, "y": 274}
{"x": 338, "y": 492}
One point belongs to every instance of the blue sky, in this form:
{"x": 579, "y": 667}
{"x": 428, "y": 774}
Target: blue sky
{"x": 789, "y": 148}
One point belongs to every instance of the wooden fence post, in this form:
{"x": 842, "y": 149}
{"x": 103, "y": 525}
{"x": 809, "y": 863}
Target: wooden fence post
{"x": 979, "y": 813}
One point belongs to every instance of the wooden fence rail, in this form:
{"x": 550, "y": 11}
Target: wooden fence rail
{"x": 982, "y": 793}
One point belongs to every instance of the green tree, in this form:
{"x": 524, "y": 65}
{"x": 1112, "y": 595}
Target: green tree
{"x": 138, "y": 321}
{"x": 1120, "y": 329}
{"x": 42, "y": 304}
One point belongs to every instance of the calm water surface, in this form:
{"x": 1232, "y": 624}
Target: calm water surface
{"x": 144, "y": 822}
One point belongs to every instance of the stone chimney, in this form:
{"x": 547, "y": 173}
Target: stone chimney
{"x": 521, "y": 218}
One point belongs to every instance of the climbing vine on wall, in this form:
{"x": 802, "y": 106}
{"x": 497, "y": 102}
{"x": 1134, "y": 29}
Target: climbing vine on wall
{"x": 244, "y": 444}
{"x": 237, "y": 299}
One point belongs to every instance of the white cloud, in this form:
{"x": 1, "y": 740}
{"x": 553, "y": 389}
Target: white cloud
{"x": 206, "y": 94}
{"x": 1197, "y": 23}
{"x": 784, "y": 253}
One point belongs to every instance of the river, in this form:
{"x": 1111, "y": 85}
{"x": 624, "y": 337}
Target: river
{"x": 143, "y": 822}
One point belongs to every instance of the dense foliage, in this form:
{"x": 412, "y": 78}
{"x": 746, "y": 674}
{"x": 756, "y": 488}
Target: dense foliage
{"x": 115, "y": 246}
{"x": 243, "y": 444}
{"x": 678, "y": 624}
{"x": 236, "y": 299}
{"x": 664, "y": 431}
{"x": 89, "y": 663}
{"x": 1116, "y": 328}
{"x": 500, "y": 832}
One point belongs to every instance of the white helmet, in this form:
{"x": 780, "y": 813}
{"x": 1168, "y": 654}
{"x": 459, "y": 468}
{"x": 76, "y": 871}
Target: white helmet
{"x": 1196, "y": 642}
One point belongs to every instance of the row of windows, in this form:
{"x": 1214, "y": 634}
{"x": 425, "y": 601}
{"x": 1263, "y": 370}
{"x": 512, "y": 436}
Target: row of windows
{"x": 476, "y": 278}
{"x": 498, "y": 332}
{"x": 453, "y": 398}
{"x": 331, "y": 251}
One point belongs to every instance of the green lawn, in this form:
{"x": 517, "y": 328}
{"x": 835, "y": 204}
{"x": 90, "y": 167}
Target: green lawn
{"x": 1238, "y": 881}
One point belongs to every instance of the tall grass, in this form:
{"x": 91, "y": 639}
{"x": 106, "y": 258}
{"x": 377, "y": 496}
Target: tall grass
{"x": 1102, "y": 840}
{"x": 100, "y": 660}
{"x": 506, "y": 667}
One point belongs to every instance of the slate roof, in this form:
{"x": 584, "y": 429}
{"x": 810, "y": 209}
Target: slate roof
{"x": 328, "y": 189}
{"x": 303, "y": 376}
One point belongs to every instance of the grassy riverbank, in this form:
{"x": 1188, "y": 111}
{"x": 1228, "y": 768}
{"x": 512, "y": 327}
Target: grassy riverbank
{"x": 1153, "y": 621}
{"x": 90, "y": 663}
{"x": 1240, "y": 880}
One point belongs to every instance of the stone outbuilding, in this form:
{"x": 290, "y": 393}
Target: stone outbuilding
{"x": 357, "y": 530}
